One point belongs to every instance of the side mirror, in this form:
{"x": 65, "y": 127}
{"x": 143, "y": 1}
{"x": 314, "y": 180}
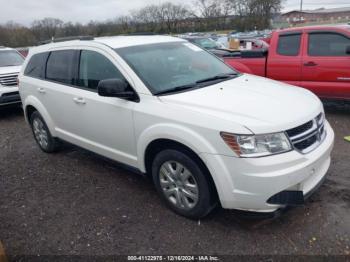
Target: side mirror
{"x": 348, "y": 50}
{"x": 116, "y": 88}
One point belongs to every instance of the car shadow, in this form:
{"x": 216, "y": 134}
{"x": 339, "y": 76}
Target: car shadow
{"x": 10, "y": 112}
{"x": 144, "y": 183}
{"x": 336, "y": 107}
{"x": 219, "y": 216}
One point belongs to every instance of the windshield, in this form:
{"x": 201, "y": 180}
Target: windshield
{"x": 10, "y": 58}
{"x": 166, "y": 66}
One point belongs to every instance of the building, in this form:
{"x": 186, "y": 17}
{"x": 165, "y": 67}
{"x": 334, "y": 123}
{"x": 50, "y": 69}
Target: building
{"x": 319, "y": 15}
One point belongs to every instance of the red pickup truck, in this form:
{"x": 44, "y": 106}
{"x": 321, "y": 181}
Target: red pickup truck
{"x": 314, "y": 57}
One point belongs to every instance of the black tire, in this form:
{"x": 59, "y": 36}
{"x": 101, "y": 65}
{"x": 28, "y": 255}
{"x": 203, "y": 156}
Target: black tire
{"x": 52, "y": 144}
{"x": 206, "y": 199}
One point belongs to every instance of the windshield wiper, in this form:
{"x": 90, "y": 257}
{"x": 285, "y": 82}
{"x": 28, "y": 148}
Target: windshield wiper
{"x": 217, "y": 77}
{"x": 176, "y": 89}
{"x": 197, "y": 83}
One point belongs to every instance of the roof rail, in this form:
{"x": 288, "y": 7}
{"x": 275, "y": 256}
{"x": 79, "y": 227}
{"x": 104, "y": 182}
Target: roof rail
{"x": 64, "y": 39}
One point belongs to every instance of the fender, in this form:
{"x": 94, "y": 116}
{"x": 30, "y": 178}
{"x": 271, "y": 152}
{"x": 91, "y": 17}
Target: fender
{"x": 173, "y": 132}
{"x": 197, "y": 143}
{"x": 33, "y": 101}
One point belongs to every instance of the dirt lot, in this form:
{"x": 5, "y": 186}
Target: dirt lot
{"x": 74, "y": 202}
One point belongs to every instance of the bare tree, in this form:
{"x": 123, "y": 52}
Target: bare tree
{"x": 212, "y": 8}
{"x": 147, "y": 16}
{"x": 253, "y": 14}
{"x": 13, "y": 34}
{"x": 206, "y": 15}
{"x": 171, "y": 14}
{"x": 46, "y": 28}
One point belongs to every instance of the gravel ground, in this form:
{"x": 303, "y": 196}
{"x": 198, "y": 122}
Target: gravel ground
{"x": 76, "y": 203}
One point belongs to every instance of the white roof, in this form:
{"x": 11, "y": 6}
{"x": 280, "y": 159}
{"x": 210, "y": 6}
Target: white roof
{"x": 125, "y": 41}
{"x": 330, "y": 10}
{"x": 110, "y": 41}
{"x": 322, "y": 10}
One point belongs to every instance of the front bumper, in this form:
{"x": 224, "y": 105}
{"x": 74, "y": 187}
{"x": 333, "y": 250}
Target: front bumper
{"x": 248, "y": 183}
{"x": 9, "y": 96}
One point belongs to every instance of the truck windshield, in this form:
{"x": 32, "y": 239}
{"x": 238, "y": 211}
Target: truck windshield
{"x": 10, "y": 58}
{"x": 175, "y": 66}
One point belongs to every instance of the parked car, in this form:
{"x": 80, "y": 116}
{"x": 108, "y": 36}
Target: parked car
{"x": 204, "y": 42}
{"x": 314, "y": 57}
{"x": 223, "y": 41}
{"x": 205, "y": 133}
{"x": 207, "y": 43}
{"x": 10, "y": 65}
{"x": 23, "y": 51}
{"x": 244, "y": 44}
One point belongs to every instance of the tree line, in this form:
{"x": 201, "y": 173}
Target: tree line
{"x": 164, "y": 18}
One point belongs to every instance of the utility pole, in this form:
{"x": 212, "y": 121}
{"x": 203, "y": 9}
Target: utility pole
{"x": 301, "y": 5}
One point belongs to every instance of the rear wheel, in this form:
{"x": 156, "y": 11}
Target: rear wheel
{"x": 182, "y": 184}
{"x": 42, "y": 134}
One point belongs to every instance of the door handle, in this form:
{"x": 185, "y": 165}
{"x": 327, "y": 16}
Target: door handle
{"x": 79, "y": 100}
{"x": 41, "y": 90}
{"x": 311, "y": 63}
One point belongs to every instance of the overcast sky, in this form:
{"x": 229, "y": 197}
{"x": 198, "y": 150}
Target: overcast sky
{"x": 25, "y": 11}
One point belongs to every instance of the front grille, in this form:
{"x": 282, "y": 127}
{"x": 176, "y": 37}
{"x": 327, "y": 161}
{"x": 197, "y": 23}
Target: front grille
{"x": 309, "y": 136}
{"x": 306, "y": 143}
{"x": 9, "y": 79}
{"x": 300, "y": 129}
{"x": 11, "y": 94}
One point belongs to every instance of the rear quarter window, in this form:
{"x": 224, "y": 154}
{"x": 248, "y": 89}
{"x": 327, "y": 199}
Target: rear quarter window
{"x": 36, "y": 66}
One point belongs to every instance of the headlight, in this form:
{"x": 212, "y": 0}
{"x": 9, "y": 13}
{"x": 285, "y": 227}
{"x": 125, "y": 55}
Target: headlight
{"x": 257, "y": 145}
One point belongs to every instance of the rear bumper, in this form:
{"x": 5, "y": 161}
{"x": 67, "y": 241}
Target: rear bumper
{"x": 248, "y": 184}
{"x": 9, "y": 96}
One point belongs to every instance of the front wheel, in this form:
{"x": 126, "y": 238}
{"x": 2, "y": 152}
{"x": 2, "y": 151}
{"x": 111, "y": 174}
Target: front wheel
{"x": 183, "y": 184}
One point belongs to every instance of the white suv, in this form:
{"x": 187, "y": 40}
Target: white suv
{"x": 204, "y": 132}
{"x": 10, "y": 65}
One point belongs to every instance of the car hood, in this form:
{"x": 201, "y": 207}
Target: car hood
{"x": 9, "y": 69}
{"x": 259, "y": 104}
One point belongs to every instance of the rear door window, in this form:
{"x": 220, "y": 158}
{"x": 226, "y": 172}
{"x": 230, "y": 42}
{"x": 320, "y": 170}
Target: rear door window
{"x": 328, "y": 44}
{"x": 289, "y": 44}
{"x": 36, "y": 66}
{"x": 62, "y": 66}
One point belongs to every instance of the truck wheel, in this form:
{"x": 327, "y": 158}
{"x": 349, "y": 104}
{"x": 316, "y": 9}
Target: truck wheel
{"x": 182, "y": 184}
{"x": 42, "y": 134}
